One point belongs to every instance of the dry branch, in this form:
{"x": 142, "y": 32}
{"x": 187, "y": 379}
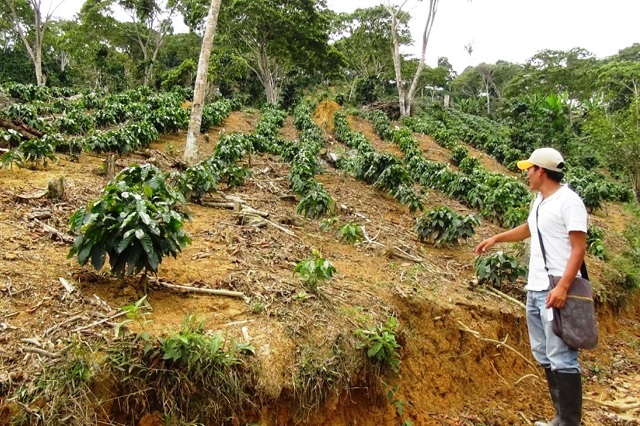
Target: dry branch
{"x": 617, "y": 407}
{"x": 53, "y": 231}
{"x": 202, "y": 290}
{"x": 496, "y": 342}
{"x": 398, "y": 252}
{"x": 40, "y": 352}
{"x": 498, "y": 293}
{"x": 93, "y": 324}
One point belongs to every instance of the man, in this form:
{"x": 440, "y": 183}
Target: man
{"x": 561, "y": 217}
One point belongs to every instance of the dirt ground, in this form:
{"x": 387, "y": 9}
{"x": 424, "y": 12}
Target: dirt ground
{"x": 465, "y": 358}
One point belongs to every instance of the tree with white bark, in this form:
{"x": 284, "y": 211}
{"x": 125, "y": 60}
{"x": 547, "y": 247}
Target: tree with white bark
{"x": 406, "y": 95}
{"x": 191, "y": 150}
{"x": 28, "y": 20}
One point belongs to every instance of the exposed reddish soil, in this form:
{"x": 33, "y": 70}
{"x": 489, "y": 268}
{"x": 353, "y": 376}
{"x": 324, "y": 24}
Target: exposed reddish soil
{"x": 465, "y": 355}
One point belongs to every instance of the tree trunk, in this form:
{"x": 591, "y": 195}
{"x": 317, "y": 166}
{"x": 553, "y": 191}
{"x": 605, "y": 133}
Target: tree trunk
{"x": 191, "y": 151}
{"x": 395, "y": 52}
{"x": 35, "y": 50}
{"x": 406, "y": 99}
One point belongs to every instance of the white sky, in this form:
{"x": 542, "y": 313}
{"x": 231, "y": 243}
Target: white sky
{"x": 514, "y": 30}
{"x": 511, "y": 30}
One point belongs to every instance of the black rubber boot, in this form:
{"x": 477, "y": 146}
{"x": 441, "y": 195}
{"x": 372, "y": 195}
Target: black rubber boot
{"x": 569, "y": 398}
{"x": 555, "y": 397}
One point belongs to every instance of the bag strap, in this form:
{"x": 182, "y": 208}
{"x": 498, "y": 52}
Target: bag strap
{"x": 583, "y": 267}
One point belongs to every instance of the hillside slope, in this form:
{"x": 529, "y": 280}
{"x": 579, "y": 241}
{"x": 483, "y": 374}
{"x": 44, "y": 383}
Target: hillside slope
{"x": 464, "y": 356}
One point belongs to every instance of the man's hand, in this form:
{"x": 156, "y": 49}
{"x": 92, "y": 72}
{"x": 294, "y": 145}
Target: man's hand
{"x": 557, "y": 297}
{"x": 485, "y": 245}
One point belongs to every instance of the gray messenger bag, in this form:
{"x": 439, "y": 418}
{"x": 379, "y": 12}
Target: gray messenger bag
{"x": 576, "y": 323}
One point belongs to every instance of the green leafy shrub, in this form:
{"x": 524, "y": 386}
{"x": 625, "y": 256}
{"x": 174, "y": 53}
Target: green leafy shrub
{"x": 9, "y": 138}
{"x": 315, "y": 203}
{"x": 458, "y": 153}
{"x": 10, "y": 157}
{"x": 135, "y": 223}
{"x": 595, "y": 241}
{"x": 496, "y": 268}
{"x": 407, "y": 196}
{"x": 468, "y": 164}
{"x": 381, "y": 344}
{"x": 314, "y": 270}
{"x": 444, "y": 226}
{"x": 36, "y": 150}
{"x": 350, "y": 233}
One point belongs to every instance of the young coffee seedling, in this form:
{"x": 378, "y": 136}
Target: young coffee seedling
{"x": 136, "y": 223}
{"x": 444, "y": 226}
{"x": 495, "y": 268}
{"x": 381, "y": 344}
{"x": 314, "y": 270}
{"x": 350, "y": 233}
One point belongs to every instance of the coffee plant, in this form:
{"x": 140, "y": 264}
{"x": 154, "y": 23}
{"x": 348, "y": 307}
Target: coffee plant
{"x": 135, "y": 223}
{"x": 315, "y": 203}
{"x": 444, "y": 226}
{"x": 9, "y": 138}
{"x": 381, "y": 344}
{"x": 496, "y": 268}
{"x": 350, "y": 233}
{"x": 10, "y": 157}
{"x": 37, "y": 150}
{"x": 595, "y": 242}
{"x": 458, "y": 153}
{"x": 314, "y": 270}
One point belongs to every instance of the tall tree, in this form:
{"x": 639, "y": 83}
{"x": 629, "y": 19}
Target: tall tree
{"x": 405, "y": 97}
{"x": 31, "y": 25}
{"x": 275, "y": 35}
{"x": 151, "y": 23}
{"x": 363, "y": 38}
{"x": 615, "y": 123}
{"x": 191, "y": 149}
{"x": 557, "y": 71}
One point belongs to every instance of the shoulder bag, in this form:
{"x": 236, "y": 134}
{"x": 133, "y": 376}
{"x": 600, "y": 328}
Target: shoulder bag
{"x": 576, "y": 322}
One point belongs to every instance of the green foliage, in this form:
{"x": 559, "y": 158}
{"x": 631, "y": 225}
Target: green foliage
{"x": 328, "y": 223}
{"x": 192, "y": 349}
{"x": 10, "y": 157}
{"x": 135, "y": 223}
{"x": 595, "y": 241}
{"x": 213, "y": 114}
{"x": 315, "y": 203}
{"x": 407, "y": 196}
{"x": 496, "y": 268}
{"x": 350, "y": 233}
{"x": 37, "y": 150}
{"x": 444, "y": 226}
{"x": 381, "y": 344}
{"x": 135, "y": 313}
{"x": 208, "y": 370}
{"x": 9, "y": 138}
{"x": 458, "y": 153}
{"x": 314, "y": 270}
{"x": 468, "y": 164}
{"x": 182, "y": 75}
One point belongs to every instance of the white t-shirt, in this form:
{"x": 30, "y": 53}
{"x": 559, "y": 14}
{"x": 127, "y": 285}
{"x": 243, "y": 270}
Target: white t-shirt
{"x": 559, "y": 214}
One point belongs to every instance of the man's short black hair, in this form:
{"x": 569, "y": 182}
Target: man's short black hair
{"x": 553, "y": 175}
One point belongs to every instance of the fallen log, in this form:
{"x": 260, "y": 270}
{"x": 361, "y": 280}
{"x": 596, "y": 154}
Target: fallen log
{"x": 24, "y": 130}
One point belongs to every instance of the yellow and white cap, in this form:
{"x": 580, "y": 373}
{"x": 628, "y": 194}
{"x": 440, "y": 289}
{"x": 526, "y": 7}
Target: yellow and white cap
{"x": 547, "y": 158}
